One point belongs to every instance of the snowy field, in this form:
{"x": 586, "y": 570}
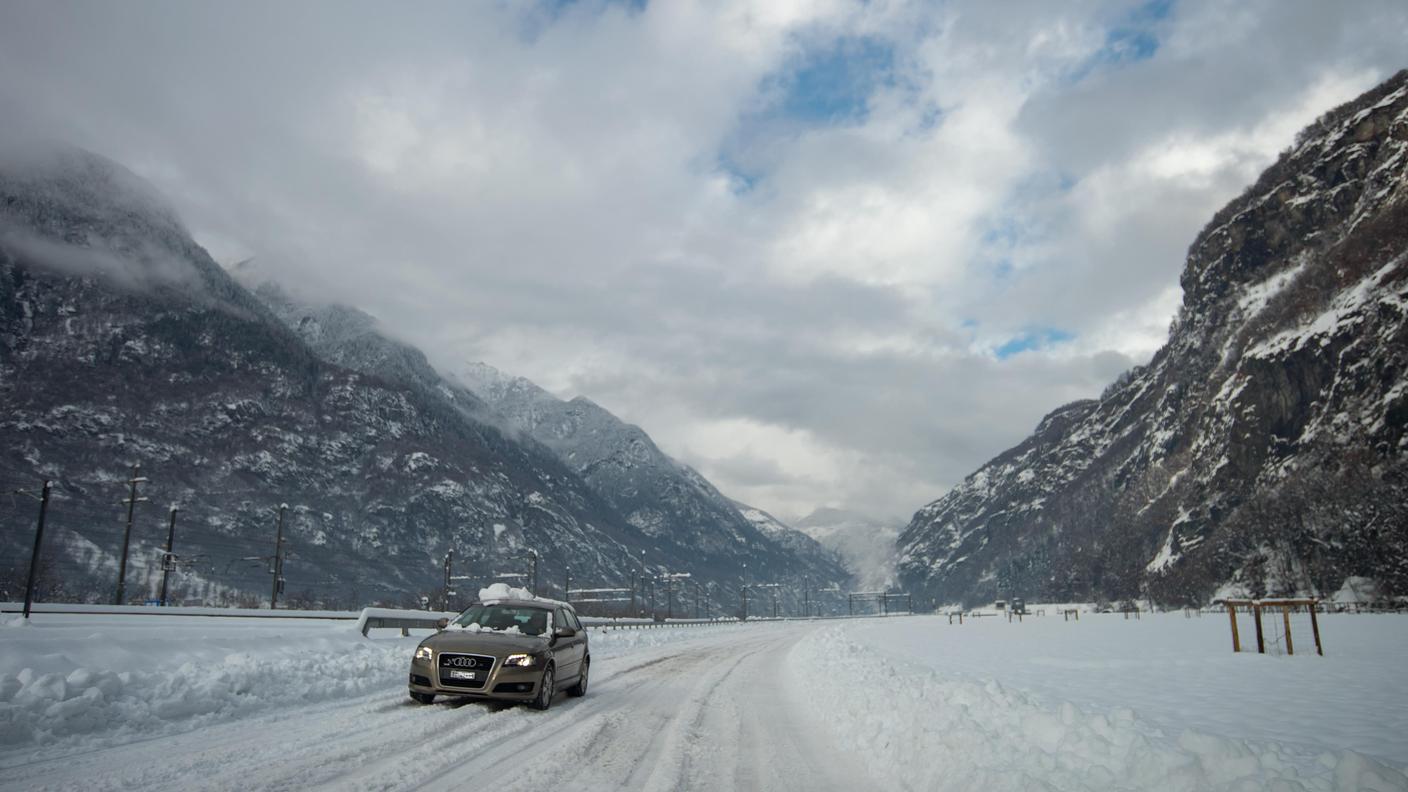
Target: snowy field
{"x": 1109, "y": 703}
{"x": 124, "y": 702}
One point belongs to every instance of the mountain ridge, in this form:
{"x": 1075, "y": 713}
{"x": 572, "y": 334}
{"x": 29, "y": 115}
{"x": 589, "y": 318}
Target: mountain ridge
{"x": 1225, "y": 465}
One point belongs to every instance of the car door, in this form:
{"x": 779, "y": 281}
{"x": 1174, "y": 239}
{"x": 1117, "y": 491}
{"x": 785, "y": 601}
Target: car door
{"x": 567, "y": 651}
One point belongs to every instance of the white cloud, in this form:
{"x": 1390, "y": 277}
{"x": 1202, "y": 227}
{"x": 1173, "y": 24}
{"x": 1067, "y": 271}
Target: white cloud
{"x": 549, "y": 192}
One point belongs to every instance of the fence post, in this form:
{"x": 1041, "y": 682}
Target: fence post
{"x": 1260, "y": 639}
{"x": 1286, "y": 620}
{"x": 1232, "y": 614}
{"x": 1315, "y": 627}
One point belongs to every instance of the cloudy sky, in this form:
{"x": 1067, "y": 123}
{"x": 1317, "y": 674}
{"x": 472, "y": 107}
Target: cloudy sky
{"x": 830, "y": 253}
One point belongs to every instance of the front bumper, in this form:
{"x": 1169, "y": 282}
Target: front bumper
{"x": 507, "y": 683}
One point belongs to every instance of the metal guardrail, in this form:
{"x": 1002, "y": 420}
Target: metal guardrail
{"x": 81, "y": 609}
{"x": 405, "y": 620}
{"x": 389, "y": 618}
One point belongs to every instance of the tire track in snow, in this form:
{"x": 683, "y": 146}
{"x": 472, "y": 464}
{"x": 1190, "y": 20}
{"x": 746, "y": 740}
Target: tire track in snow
{"x": 674, "y": 717}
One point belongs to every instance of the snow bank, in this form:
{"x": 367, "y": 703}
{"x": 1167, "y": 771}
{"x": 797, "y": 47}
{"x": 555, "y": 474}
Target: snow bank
{"x": 981, "y": 735}
{"x": 109, "y": 679}
{"x": 51, "y": 697}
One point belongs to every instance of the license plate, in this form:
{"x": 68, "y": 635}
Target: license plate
{"x": 457, "y": 674}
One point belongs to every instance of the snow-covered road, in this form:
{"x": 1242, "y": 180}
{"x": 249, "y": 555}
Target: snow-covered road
{"x": 716, "y": 710}
{"x": 908, "y": 703}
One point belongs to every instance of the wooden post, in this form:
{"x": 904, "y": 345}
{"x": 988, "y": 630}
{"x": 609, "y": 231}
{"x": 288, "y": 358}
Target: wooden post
{"x": 1286, "y": 620}
{"x": 1260, "y": 639}
{"x": 1232, "y": 614}
{"x": 1315, "y": 628}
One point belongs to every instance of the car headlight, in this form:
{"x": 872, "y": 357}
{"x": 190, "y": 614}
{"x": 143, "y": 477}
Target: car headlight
{"x": 424, "y": 653}
{"x": 521, "y": 660}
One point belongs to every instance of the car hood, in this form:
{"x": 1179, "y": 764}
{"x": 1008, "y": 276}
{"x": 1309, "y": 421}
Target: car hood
{"x": 489, "y": 643}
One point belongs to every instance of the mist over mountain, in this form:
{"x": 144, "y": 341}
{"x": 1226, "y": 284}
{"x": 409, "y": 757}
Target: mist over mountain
{"x": 1263, "y": 450}
{"x": 866, "y": 544}
{"x": 122, "y": 341}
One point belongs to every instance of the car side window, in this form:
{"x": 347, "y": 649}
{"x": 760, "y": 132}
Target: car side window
{"x": 572, "y": 620}
{"x": 559, "y": 619}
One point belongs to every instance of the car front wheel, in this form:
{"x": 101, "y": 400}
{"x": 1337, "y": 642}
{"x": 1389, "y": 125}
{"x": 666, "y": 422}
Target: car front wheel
{"x": 545, "y": 691}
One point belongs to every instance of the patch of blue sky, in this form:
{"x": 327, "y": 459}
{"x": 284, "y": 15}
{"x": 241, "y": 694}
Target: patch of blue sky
{"x": 1133, "y": 38}
{"x": 556, "y": 7}
{"x": 741, "y": 179}
{"x": 534, "y": 18}
{"x": 1031, "y": 340}
{"x": 833, "y": 84}
{"x": 828, "y": 82}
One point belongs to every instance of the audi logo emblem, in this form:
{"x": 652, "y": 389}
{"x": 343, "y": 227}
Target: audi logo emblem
{"x": 461, "y": 662}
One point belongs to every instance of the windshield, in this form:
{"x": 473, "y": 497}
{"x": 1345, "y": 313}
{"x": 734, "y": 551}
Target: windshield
{"x": 505, "y": 618}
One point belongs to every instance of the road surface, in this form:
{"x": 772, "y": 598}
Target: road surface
{"x": 719, "y": 711}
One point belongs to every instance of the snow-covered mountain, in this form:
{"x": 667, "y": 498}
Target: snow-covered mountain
{"x": 121, "y": 341}
{"x": 1263, "y": 449}
{"x": 866, "y": 545}
{"x": 796, "y": 542}
{"x": 667, "y": 500}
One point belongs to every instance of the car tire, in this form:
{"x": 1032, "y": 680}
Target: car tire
{"x": 422, "y": 698}
{"x": 546, "y": 689}
{"x": 580, "y": 689}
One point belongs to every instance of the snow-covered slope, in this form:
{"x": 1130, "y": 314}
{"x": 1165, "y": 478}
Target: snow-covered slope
{"x": 1263, "y": 449}
{"x": 669, "y": 501}
{"x": 795, "y": 541}
{"x": 121, "y": 341}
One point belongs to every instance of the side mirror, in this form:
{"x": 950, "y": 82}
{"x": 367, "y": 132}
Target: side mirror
{"x": 442, "y": 624}
{"x": 564, "y": 632}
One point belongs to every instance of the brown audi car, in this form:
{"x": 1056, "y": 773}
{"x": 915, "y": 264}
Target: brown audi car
{"x": 509, "y": 649}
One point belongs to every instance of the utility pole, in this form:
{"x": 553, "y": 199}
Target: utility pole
{"x": 567, "y": 585}
{"x": 43, "y": 499}
{"x": 535, "y": 571}
{"x": 743, "y": 592}
{"x": 277, "y": 568}
{"x": 642, "y": 585}
{"x": 449, "y": 565}
{"x": 168, "y": 561}
{"x": 131, "y": 501}
{"x": 806, "y": 600}
{"x": 696, "y": 599}
{"x": 669, "y": 596}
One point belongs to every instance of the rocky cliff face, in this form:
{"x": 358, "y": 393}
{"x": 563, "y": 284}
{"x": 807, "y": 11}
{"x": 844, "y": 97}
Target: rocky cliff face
{"x": 121, "y": 341}
{"x": 1263, "y": 449}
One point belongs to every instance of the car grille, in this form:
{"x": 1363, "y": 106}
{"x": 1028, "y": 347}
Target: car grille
{"x": 481, "y": 665}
